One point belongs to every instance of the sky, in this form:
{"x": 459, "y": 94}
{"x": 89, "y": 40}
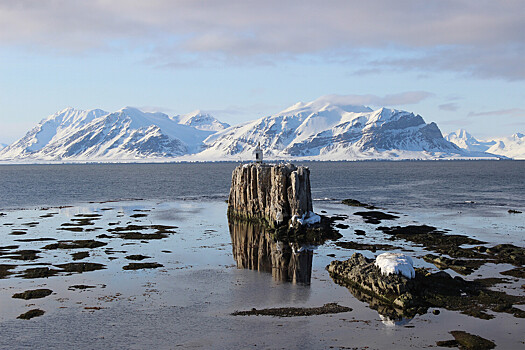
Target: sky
{"x": 457, "y": 63}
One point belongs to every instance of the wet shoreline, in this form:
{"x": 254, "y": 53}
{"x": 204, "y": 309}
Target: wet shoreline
{"x": 194, "y": 283}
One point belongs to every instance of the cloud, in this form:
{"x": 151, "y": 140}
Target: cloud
{"x": 514, "y": 112}
{"x": 403, "y": 98}
{"x": 449, "y": 107}
{"x": 265, "y": 31}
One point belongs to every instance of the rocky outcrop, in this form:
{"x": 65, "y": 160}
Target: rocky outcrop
{"x": 396, "y": 296}
{"x": 273, "y": 193}
{"x": 362, "y": 272}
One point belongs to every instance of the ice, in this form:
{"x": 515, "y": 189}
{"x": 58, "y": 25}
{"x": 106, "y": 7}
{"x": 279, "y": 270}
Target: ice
{"x": 396, "y": 263}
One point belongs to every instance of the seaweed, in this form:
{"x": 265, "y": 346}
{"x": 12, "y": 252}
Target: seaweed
{"x": 86, "y": 243}
{"x": 138, "y": 266}
{"x": 329, "y": 308}
{"x": 33, "y": 294}
{"x": 31, "y": 313}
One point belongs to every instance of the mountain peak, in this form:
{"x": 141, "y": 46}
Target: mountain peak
{"x": 201, "y": 120}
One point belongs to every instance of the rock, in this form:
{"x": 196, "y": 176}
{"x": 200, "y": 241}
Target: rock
{"x": 397, "y": 296}
{"x": 467, "y": 341}
{"x": 139, "y": 266}
{"x": 273, "y": 193}
{"x": 31, "y": 313}
{"x": 330, "y": 308}
{"x": 80, "y": 267}
{"x": 364, "y": 246}
{"x": 363, "y": 272}
{"x": 33, "y": 294}
{"x": 374, "y": 217}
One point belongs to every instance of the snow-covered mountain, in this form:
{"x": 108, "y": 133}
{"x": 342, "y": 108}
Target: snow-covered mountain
{"x": 50, "y": 130}
{"x": 323, "y": 129}
{"x": 95, "y": 135}
{"x": 331, "y": 131}
{"x": 3, "y": 145}
{"x": 463, "y": 139}
{"x": 200, "y": 120}
{"x": 510, "y": 147}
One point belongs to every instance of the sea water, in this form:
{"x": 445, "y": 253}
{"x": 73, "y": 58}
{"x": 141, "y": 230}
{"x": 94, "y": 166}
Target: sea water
{"x": 189, "y": 300}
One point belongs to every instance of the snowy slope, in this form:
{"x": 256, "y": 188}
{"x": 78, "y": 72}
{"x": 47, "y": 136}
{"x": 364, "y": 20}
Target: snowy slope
{"x": 3, "y": 145}
{"x": 331, "y": 131}
{"x": 50, "y": 130}
{"x": 510, "y": 147}
{"x": 463, "y": 139}
{"x": 93, "y": 136}
{"x": 201, "y": 121}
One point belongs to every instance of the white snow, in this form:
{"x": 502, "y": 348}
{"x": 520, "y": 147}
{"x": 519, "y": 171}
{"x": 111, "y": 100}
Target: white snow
{"x": 395, "y": 263}
{"x": 201, "y": 120}
{"x": 510, "y": 147}
{"x": 309, "y": 218}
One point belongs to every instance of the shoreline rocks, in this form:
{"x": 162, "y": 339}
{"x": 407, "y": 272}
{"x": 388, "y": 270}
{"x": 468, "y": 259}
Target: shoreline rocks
{"x": 396, "y": 296}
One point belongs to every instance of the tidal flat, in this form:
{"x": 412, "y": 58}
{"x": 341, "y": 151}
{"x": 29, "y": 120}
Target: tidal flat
{"x": 175, "y": 276}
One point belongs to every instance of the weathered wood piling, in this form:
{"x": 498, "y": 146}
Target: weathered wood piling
{"x": 276, "y": 194}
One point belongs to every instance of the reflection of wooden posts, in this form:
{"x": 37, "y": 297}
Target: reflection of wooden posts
{"x": 258, "y": 153}
{"x": 253, "y": 248}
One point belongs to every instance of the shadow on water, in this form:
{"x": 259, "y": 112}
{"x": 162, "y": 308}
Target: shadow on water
{"x": 254, "y": 248}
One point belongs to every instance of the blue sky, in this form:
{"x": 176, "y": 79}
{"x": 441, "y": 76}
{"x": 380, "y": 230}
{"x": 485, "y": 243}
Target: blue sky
{"x": 457, "y": 63}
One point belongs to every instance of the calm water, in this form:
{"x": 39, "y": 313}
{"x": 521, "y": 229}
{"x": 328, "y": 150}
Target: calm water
{"x": 205, "y": 275}
{"x": 389, "y": 184}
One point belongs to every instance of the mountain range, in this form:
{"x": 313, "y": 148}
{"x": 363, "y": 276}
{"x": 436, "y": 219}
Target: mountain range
{"x": 317, "y": 130}
{"x": 510, "y": 147}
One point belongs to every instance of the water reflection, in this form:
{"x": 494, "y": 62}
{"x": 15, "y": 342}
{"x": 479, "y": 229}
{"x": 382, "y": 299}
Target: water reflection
{"x": 390, "y": 314}
{"x": 255, "y": 249}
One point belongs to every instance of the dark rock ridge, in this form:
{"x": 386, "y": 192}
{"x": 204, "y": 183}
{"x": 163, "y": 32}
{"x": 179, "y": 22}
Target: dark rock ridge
{"x": 272, "y": 193}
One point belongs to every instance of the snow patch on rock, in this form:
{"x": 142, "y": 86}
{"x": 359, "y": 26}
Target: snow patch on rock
{"x": 395, "y": 263}
{"x": 309, "y": 218}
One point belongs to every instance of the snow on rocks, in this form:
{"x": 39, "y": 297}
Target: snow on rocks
{"x": 395, "y": 263}
{"x": 309, "y": 218}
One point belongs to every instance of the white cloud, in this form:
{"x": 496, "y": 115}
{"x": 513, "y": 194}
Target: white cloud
{"x": 403, "y": 98}
{"x": 514, "y": 112}
{"x": 450, "y": 107}
{"x": 483, "y": 38}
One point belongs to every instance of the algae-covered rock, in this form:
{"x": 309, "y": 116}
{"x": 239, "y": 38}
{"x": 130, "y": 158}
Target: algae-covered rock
{"x": 406, "y": 297}
{"x": 39, "y": 272}
{"x": 31, "y": 313}
{"x": 330, "y": 308}
{"x": 375, "y": 217}
{"x": 33, "y": 294}
{"x": 139, "y": 266}
{"x": 80, "y": 267}
{"x": 467, "y": 341}
{"x": 85, "y": 243}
